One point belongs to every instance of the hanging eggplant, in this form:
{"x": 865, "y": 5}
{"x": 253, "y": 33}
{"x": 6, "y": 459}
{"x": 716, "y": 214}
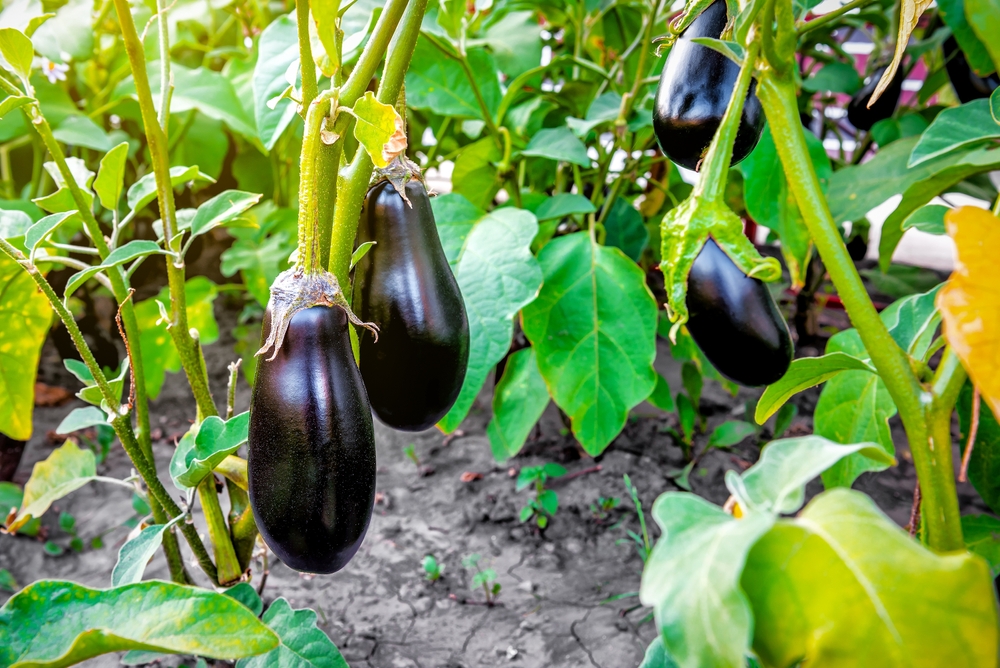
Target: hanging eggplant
{"x": 694, "y": 90}
{"x": 858, "y": 112}
{"x": 414, "y": 373}
{"x": 968, "y": 85}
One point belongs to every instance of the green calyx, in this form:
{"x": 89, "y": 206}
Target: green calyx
{"x": 684, "y": 231}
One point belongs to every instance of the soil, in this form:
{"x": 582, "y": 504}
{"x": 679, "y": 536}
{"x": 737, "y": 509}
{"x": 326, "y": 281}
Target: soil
{"x": 553, "y": 609}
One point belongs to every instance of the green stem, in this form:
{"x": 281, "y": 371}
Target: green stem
{"x": 121, "y": 423}
{"x": 832, "y": 16}
{"x": 712, "y": 182}
{"x": 309, "y": 251}
{"x": 778, "y": 96}
{"x": 327, "y": 182}
{"x": 309, "y": 88}
{"x": 355, "y": 178}
{"x": 242, "y": 527}
{"x": 187, "y": 348}
{"x": 165, "y": 88}
{"x": 218, "y": 531}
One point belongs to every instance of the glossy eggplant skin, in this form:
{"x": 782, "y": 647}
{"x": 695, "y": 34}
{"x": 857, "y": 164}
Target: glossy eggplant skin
{"x": 864, "y": 118}
{"x": 414, "y": 372}
{"x": 968, "y": 85}
{"x": 694, "y": 91}
{"x": 735, "y": 322}
{"x": 311, "y": 461}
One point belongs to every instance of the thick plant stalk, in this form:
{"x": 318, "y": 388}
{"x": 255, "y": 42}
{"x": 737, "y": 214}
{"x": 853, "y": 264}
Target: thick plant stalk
{"x": 309, "y": 89}
{"x": 226, "y": 564}
{"x": 930, "y": 455}
{"x": 354, "y": 182}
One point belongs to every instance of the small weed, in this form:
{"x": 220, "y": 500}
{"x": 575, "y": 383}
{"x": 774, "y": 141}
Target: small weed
{"x": 432, "y": 570}
{"x": 604, "y": 506}
{"x": 546, "y": 501}
{"x": 411, "y": 452}
{"x": 484, "y": 578}
{"x": 642, "y": 545}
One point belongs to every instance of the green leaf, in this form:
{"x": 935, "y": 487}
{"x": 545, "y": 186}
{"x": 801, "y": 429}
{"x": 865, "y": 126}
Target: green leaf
{"x": 549, "y": 501}
{"x": 854, "y": 407}
{"x": 687, "y": 415}
{"x": 901, "y": 280}
{"x": 325, "y": 17}
{"x": 593, "y": 327}
{"x": 625, "y": 229}
{"x": 62, "y": 200}
{"x": 984, "y": 463}
{"x": 913, "y": 321}
{"x": 604, "y": 109}
{"x": 561, "y": 205}
{"x": 66, "y": 470}
{"x": 784, "y": 419}
{"x": 25, "y": 314}
{"x": 984, "y": 17}
{"x": 439, "y": 84}
{"x": 519, "y": 400}
{"x": 804, "y": 373}
{"x": 302, "y": 643}
{"x": 449, "y": 16}
{"x": 928, "y": 218}
{"x": 770, "y": 202}
{"x": 7, "y": 581}
{"x": 10, "y": 498}
{"x": 69, "y": 34}
{"x": 52, "y": 624}
{"x": 158, "y": 352}
{"x": 656, "y": 656}
{"x": 834, "y": 77}
{"x": 692, "y": 580}
{"x": 360, "y": 252}
{"x": 82, "y": 418}
{"x": 953, "y": 13}
{"x": 497, "y": 274}
{"x": 558, "y": 144}
{"x": 982, "y": 537}
{"x": 17, "y": 51}
{"x": 730, "y": 433}
{"x": 376, "y": 124}
{"x": 36, "y": 233}
{"x": 214, "y": 440}
{"x": 955, "y": 128}
{"x": 11, "y": 103}
{"x": 79, "y": 130}
{"x": 136, "y": 553}
{"x": 777, "y": 482}
{"x": 278, "y": 48}
{"x": 110, "y": 176}
{"x": 259, "y": 261}
{"x": 91, "y": 393}
{"x": 515, "y": 42}
{"x": 660, "y": 396}
{"x": 14, "y": 223}
{"x": 475, "y": 176}
{"x": 221, "y": 209}
{"x": 842, "y": 576}
{"x": 133, "y": 250}
{"x": 248, "y": 596}
{"x": 143, "y": 191}
{"x": 995, "y": 106}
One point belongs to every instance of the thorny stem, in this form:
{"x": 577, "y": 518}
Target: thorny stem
{"x": 932, "y": 460}
{"x": 309, "y": 251}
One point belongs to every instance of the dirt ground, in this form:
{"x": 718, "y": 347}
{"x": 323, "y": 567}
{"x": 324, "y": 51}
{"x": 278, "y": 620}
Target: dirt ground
{"x": 552, "y": 610}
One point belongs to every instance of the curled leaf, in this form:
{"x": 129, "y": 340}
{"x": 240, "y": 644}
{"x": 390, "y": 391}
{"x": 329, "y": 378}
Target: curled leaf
{"x": 909, "y": 13}
{"x": 294, "y": 290}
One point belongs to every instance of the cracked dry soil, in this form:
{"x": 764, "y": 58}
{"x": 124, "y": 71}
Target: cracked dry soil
{"x": 380, "y": 610}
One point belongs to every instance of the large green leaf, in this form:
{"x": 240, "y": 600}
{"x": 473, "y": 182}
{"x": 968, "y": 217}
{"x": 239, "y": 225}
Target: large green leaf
{"x": 109, "y": 182}
{"x": 984, "y": 463}
{"x": 558, "y": 144}
{"x": 770, "y": 202}
{"x": 278, "y": 48}
{"x": 519, "y": 400}
{"x": 692, "y": 580}
{"x": 25, "y": 314}
{"x": 302, "y": 643}
{"x": 52, "y": 624}
{"x": 66, "y": 470}
{"x": 79, "y": 130}
{"x": 68, "y": 34}
{"x": 221, "y": 209}
{"x": 953, "y": 13}
{"x": 439, "y": 84}
{"x": 158, "y": 352}
{"x": 625, "y": 229}
{"x": 955, "y": 128}
{"x": 854, "y": 406}
{"x": 143, "y": 191}
{"x": 515, "y": 42}
{"x": 205, "y": 446}
{"x": 490, "y": 256}
{"x": 982, "y": 537}
{"x": 475, "y": 174}
{"x": 804, "y": 373}
{"x": 593, "y": 327}
{"x": 984, "y": 17}
{"x": 136, "y": 553}
{"x": 842, "y": 581}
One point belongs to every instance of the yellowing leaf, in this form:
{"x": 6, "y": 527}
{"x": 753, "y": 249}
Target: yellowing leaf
{"x": 324, "y": 13}
{"x": 379, "y": 129}
{"x": 970, "y": 302}
{"x": 66, "y": 470}
{"x": 909, "y": 14}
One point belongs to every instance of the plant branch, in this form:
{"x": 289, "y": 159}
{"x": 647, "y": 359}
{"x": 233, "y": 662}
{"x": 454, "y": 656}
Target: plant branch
{"x": 832, "y": 16}
{"x": 309, "y": 88}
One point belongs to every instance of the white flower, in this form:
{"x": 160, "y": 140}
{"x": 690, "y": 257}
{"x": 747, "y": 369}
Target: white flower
{"x": 53, "y": 71}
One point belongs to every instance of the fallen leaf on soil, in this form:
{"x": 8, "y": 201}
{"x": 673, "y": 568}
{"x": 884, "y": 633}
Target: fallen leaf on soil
{"x": 470, "y": 476}
{"x": 969, "y": 302}
{"x": 50, "y": 395}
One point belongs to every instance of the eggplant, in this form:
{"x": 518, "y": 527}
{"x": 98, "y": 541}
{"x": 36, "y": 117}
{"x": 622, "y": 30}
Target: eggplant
{"x": 694, "y": 91}
{"x": 735, "y": 322}
{"x": 414, "y": 372}
{"x": 858, "y": 112}
{"x": 968, "y": 85}
{"x": 311, "y": 461}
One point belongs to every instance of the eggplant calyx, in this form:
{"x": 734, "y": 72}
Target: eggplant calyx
{"x": 684, "y": 231}
{"x": 399, "y": 172}
{"x": 296, "y": 289}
